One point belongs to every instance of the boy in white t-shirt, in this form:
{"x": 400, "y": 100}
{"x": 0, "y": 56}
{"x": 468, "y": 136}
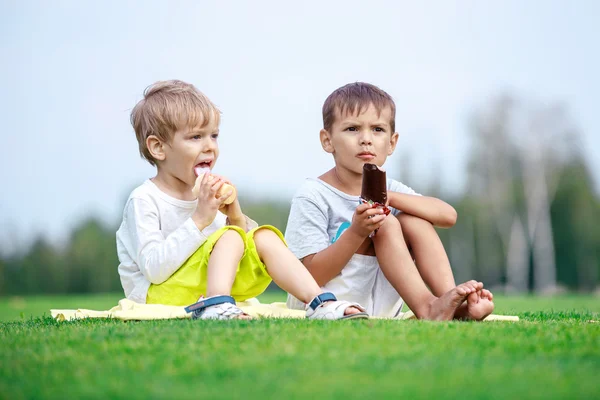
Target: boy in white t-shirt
{"x": 176, "y": 245}
{"x": 332, "y": 234}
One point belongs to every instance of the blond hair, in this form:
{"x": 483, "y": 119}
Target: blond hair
{"x": 169, "y": 106}
{"x": 356, "y": 98}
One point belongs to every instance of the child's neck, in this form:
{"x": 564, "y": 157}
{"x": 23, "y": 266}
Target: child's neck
{"x": 343, "y": 180}
{"x": 173, "y": 186}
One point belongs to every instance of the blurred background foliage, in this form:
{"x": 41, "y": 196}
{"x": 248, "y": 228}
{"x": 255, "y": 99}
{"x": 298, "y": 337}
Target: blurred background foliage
{"x": 528, "y": 215}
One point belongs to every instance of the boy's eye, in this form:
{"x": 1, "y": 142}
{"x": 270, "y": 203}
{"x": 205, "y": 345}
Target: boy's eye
{"x": 351, "y": 129}
{"x": 196, "y": 137}
{"x": 215, "y": 135}
{"x": 378, "y": 129}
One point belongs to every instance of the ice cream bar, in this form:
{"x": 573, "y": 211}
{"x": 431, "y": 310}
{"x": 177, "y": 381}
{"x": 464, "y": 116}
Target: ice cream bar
{"x": 224, "y": 188}
{"x": 374, "y": 185}
{"x": 201, "y": 170}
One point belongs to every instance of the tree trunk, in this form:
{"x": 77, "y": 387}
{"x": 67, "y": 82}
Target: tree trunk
{"x": 517, "y": 270}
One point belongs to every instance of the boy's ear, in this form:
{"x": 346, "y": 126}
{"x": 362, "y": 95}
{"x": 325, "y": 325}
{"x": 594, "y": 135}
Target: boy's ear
{"x": 325, "y": 137}
{"x": 393, "y": 143}
{"x": 155, "y": 147}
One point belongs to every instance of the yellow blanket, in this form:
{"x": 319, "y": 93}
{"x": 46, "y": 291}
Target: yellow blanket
{"x": 128, "y": 310}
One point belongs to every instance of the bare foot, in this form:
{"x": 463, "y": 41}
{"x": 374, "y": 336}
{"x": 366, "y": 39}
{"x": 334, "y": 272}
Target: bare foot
{"x": 352, "y": 310}
{"x": 243, "y": 316}
{"x": 444, "y": 307}
{"x": 480, "y": 304}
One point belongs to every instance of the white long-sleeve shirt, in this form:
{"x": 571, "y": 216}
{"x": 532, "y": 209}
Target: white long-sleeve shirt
{"x": 155, "y": 238}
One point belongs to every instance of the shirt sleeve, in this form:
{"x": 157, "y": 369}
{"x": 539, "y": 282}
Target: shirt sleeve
{"x": 306, "y": 231}
{"x": 400, "y": 187}
{"x": 158, "y": 257}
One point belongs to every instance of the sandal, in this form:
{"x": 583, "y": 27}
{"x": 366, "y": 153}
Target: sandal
{"x": 216, "y": 307}
{"x": 327, "y": 306}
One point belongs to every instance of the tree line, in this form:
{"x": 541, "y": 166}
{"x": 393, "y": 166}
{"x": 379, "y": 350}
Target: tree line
{"x": 527, "y": 216}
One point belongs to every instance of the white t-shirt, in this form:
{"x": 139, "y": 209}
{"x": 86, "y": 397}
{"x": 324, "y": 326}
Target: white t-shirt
{"x": 319, "y": 214}
{"x": 155, "y": 238}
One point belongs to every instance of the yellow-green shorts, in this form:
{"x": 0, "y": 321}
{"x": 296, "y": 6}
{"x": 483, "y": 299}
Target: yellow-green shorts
{"x": 188, "y": 283}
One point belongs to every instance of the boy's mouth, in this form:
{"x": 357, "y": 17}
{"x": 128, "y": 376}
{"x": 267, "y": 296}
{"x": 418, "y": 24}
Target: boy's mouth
{"x": 366, "y": 156}
{"x": 204, "y": 164}
{"x": 202, "y": 167}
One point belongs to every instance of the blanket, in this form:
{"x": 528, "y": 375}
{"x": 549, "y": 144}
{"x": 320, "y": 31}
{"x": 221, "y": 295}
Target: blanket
{"x": 128, "y": 310}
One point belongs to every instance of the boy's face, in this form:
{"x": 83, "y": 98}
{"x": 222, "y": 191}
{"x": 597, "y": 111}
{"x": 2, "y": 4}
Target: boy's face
{"x": 360, "y": 138}
{"x": 190, "y": 148}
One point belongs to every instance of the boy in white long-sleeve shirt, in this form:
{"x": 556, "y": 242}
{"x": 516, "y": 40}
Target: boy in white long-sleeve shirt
{"x": 177, "y": 246}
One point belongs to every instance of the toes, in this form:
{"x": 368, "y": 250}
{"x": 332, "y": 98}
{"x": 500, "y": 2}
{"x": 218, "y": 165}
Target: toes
{"x": 462, "y": 290}
{"x": 486, "y": 294}
{"x": 244, "y": 316}
{"x": 351, "y": 310}
{"x": 473, "y": 298}
{"x": 471, "y": 286}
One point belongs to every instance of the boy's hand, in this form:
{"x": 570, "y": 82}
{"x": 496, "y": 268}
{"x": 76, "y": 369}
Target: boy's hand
{"x": 366, "y": 219}
{"x": 233, "y": 210}
{"x": 208, "y": 202}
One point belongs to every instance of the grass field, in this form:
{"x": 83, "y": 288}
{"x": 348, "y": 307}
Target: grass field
{"x": 553, "y": 352}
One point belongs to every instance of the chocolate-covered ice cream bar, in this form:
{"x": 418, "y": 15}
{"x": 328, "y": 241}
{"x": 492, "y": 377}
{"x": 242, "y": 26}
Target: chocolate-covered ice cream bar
{"x": 374, "y": 185}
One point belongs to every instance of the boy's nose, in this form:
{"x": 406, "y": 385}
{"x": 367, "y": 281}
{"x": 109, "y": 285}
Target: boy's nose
{"x": 210, "y": 146}
{"x": 366, "y": 139}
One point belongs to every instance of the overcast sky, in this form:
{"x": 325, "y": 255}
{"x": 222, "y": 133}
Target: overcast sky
{"x": 71, "y": 71}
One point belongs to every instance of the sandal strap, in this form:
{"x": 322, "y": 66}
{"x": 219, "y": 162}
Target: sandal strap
{"x": 322, "y": 298}
{"x": 198, "y": 307}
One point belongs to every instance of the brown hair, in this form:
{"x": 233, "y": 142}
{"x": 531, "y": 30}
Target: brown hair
{"x": 356, "y": 97}
{"x": 169, "y": 106}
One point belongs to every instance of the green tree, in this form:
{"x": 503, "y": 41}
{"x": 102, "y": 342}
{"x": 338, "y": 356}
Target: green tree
{"x": 92, "y": 260}
{"x": 575, "y": 215}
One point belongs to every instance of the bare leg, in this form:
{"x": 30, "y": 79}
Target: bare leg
{"x": 429, "y": 253}
{"x": 223, "y": 264}
{"x": 366, "y": 248}
{"x": 286, "y": 270}
{"x": 434, "y": 266}
{"x": 398, "y": 267}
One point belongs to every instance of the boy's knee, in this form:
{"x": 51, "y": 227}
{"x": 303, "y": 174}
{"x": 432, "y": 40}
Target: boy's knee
{"x": 232, "y": 237}
{"x": 264, "y": 235}
{"x": 411, "y": 224}
{"x": 390, "y": 227}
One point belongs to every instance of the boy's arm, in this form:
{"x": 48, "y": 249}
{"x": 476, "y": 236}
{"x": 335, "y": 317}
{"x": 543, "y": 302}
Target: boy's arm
{"x": 236, "y": 217}
{"x": 328, "y": 263}
{"x": 308, "y": 239}
{"x": 436, "y": 211}
{"x": 246, "y": 223}
{"x": 158, "y": 257}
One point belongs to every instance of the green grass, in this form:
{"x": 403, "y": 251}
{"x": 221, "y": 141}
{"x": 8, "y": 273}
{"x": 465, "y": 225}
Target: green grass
{"x": 553, "y": 352}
